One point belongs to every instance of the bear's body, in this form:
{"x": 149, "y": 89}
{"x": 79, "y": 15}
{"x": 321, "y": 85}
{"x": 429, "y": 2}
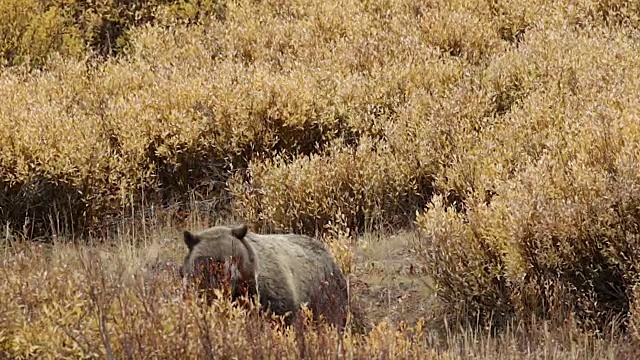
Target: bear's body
{"x": 285, "y": 270}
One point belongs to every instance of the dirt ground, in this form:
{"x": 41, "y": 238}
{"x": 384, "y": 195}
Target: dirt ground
{"x": 389, "y": 281}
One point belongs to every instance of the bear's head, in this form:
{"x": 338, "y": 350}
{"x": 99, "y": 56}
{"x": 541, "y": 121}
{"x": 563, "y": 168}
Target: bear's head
{"x": 219, "y": 256}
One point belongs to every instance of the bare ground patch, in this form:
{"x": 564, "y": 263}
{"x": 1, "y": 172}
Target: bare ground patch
{"x": 388, "y": 280}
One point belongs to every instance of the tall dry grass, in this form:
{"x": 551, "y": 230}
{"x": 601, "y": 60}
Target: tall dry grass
{"x": 125, "y": 300}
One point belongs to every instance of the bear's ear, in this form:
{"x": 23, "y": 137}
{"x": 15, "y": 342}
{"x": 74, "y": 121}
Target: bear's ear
{"x": 190, "y": 239}
{"x": 239, "y": 231}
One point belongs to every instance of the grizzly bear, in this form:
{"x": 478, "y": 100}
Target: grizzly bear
{"x": 283, "y": 270}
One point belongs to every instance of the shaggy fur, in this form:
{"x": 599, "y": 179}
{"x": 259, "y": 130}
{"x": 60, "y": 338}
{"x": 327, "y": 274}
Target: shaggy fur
{"x": 284, "y": 270}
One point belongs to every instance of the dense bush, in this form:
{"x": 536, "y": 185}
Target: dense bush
{"x": 188, "y": 103}
{"x": 563, "y": 227}
{"x": 368, "y": 188}
{"x": 33, "y": 30}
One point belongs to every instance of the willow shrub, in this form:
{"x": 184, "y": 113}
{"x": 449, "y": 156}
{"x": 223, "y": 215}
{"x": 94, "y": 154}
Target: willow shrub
{"x": 563, "y": 227}
{"x": 186, "y": 105}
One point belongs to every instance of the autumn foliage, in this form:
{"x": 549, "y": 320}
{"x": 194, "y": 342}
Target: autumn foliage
{"x": 505, "y": 133}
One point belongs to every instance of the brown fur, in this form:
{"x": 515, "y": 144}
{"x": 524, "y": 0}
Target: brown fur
{"x": 284, "y": 270}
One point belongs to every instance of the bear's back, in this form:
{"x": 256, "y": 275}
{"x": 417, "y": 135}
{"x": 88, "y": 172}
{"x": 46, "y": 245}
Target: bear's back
{"x": 299, "y": 251}
{"x": 297, "y": 260}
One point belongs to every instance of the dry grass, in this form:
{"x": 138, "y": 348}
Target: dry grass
{"x": 125, "y": 300}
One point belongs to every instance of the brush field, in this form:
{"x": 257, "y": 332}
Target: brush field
{"x": 474, "y": 166}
